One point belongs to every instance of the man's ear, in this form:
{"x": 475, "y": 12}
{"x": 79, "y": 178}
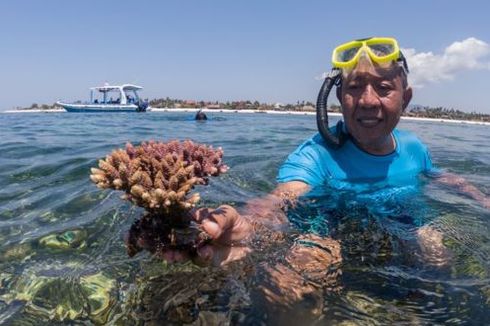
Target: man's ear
{"x": 407, "y": 97}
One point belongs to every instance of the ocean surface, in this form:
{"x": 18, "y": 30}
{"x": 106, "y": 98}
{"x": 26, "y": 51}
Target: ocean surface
{"x": 63, "y": 259}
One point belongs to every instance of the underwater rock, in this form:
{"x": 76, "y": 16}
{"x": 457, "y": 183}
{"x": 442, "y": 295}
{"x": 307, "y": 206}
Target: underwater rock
{"x": 97, "y": 289}
{"x": 71, "y": 239}
{"x": 56, "y": 299}
{"x": 16, "y": 252}
{"x": 184, "y": 294}
{"x": 158, "y": 177}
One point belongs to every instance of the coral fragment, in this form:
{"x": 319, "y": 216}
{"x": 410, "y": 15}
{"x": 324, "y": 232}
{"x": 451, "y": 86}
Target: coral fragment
{"x": 158, "y": 177}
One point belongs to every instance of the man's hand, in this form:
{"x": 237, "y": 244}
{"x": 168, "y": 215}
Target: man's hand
{"x": 314, "y": 263}
{"x": 228, "y": 230}
{"x": 223, "y": 224}
{"x": 291, "y": 289}
{"x": 434, "y": 252}
{"x": 485, "y": 201}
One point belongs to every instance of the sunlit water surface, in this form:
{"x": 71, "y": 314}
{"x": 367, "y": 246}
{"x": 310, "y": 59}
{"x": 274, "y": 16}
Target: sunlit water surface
{"x": 63, "y": 259}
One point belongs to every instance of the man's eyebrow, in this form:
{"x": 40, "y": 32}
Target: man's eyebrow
{"x": 363, "y": 76}
{"x": 386, "y": 79}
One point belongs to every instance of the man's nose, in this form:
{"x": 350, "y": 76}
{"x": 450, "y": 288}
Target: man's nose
{"x": 369, "y": 98}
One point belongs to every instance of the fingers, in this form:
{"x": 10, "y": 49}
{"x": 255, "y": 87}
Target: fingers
{"x": 224, "y": 216}
{"x": 219, "y": 221}
{"x": 212, "y": 228}
{"x": 201, "y": 214}
{"x": 486, "y": 203}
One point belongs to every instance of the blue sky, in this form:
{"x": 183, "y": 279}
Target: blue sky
{"x": 269, "y": 51}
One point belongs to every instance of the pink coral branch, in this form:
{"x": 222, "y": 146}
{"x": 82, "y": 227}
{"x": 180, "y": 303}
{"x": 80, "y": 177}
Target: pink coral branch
{"x": 158, "y": 176}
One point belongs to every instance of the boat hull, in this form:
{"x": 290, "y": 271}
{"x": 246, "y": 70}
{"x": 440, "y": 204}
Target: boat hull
{"x": 99, "y": 107}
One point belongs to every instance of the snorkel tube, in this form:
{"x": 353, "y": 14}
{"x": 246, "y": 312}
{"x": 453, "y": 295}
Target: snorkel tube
{"x": 333, "y": 140}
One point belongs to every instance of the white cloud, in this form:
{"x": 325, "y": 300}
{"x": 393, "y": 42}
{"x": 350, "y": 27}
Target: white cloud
{"x": 426, "y": 67}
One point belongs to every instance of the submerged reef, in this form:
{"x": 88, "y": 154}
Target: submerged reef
{"x": 159, "y": 177}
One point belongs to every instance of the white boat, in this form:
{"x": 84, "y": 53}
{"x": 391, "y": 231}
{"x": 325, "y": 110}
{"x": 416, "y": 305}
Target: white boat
{"x": 110, "y": 98}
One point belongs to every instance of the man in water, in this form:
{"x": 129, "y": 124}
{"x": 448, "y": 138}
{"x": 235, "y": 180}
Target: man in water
{"x": 373, "y": 93}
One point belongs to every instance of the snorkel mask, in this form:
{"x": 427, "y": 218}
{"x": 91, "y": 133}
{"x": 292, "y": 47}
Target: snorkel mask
{"x": 380, "y": 51}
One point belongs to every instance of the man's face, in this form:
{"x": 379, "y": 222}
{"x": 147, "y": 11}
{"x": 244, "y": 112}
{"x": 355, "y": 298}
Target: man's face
{"x": 373, "y": 100}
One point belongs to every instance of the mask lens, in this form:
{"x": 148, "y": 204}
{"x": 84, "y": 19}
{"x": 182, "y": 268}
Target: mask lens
{"x": 347, "y": 54}
{"x": 382, "y": 50}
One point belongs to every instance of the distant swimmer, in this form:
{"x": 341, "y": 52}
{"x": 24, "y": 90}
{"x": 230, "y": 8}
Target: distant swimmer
{"x": 200, "y": 116}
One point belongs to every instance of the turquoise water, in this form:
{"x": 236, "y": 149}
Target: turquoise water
{"x": 63, "y": 259}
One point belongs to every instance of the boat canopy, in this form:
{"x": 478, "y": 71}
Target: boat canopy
{"x": 125, "y": 87}
{"x": 127, "y": 94}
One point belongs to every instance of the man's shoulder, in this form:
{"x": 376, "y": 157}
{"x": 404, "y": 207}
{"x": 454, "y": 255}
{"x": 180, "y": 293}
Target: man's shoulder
{"x": 315, "y": 142}
{"x": 307, "y": 163}
{"x": 409, "y": 140}
{"x": 404, "y": 133}
{"x": 313, "y": 150}
{"x": 406, "y": 136}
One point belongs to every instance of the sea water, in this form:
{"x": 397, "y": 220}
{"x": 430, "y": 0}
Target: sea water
{"x": 63, "y": 258}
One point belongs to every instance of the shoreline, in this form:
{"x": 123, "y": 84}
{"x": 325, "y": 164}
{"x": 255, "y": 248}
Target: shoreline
{"x": 193, "y": 110}
{"x": 333, "y": 114}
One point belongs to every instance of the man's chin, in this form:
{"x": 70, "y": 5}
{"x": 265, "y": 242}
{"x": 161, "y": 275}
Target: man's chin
{"x": 366, "y": 142}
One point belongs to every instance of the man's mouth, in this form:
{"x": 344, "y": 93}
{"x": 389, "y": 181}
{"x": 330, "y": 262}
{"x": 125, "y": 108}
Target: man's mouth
{"x": 369, "y": 122}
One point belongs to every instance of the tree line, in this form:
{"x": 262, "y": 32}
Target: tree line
{"x": 304, "y": 106}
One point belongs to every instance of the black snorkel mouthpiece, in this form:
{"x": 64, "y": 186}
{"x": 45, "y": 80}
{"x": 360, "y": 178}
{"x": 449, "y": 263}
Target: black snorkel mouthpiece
{"x": 333, "y": 140}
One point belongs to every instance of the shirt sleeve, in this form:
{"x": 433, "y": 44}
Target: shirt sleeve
{"x": 429, "y": 168}
{"x": 302, "y": 165}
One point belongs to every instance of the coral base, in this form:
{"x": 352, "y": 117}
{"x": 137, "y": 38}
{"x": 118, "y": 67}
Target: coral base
{"x": 152, "y": 234}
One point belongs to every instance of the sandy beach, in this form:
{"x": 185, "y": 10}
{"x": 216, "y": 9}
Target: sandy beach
{"x": 193, "y": 110}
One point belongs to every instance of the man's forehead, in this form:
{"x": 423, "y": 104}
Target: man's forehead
{"x": 390, "y": 73}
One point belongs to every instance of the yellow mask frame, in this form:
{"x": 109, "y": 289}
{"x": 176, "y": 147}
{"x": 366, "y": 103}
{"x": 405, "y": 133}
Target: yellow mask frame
{"x": 346, "y": 56}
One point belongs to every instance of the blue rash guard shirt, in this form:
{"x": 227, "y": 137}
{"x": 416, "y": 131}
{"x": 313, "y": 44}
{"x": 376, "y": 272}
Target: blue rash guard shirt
{"x": 316, "y": 164}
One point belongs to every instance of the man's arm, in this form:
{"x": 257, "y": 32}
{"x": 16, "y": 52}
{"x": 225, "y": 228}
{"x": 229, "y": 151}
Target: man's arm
{"x": 464, "y": 187}
{"x": 270, "y": 209}
{"x": 430, "y": 239}
{"x": 230, "y": 229}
